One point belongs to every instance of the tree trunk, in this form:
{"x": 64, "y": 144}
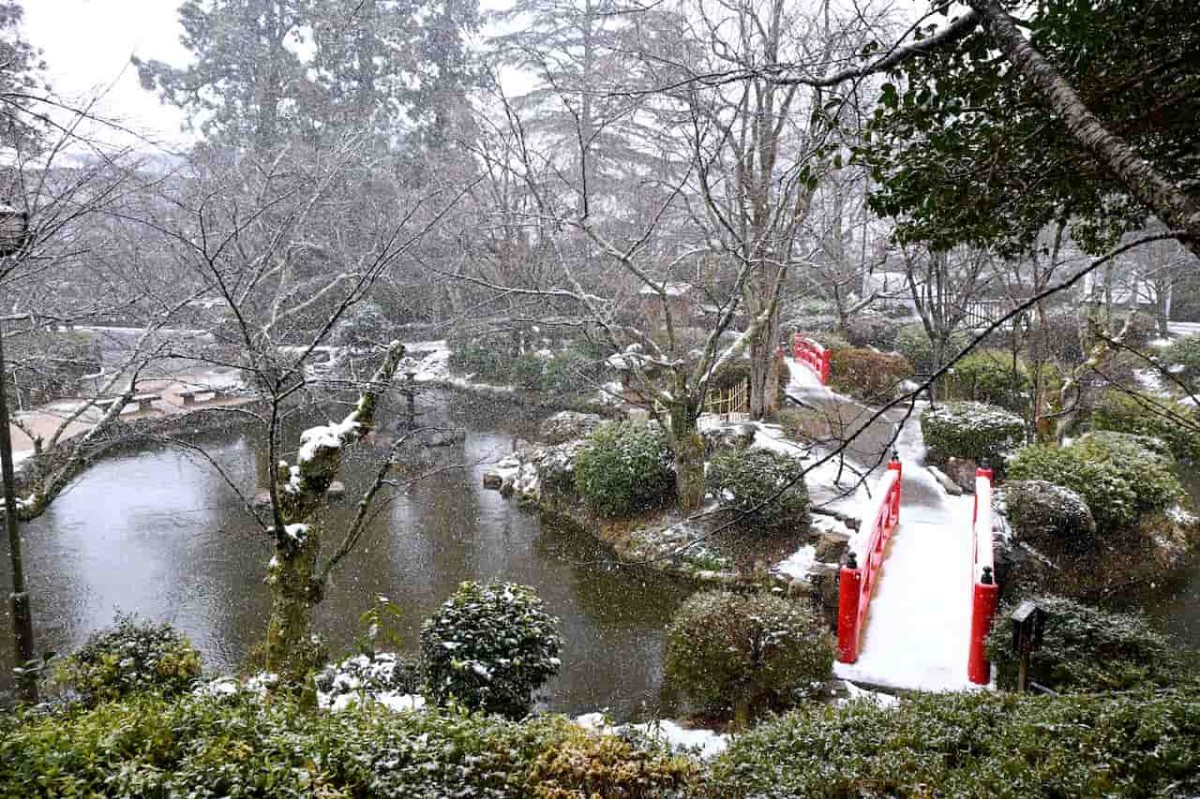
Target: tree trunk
{"x": 689, "y": 457}
{"x": 291, "y": 652}
{"x": 1166, "y": 199}
{"x": 764, "y": 377}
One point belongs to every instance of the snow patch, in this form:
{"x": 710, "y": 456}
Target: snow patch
{"x": 701, "y": 743}
{"x": 798, "y": 564}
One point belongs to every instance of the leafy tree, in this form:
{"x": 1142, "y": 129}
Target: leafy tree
{"x": 967, "y": 148}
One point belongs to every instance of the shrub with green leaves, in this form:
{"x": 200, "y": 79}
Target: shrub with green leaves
{"x": 1178, "y": 426}
{"x": 913, "y": 343}
{"x": 624, "y": 468}
{"x": 484, "y": 362}
{"x": 768, "y": 486}
{"x": 872, "y": 330}
{"x": 972, "y": 431}
{"x": 1185, "y": 353}
{"x": 1087, "y": 649}
{"x": 489, "y": 647}
{"x": 973, "y": 745}
{"x": 727, "y": 651}
{"x": 1051, "y": 518}
{"x": 1119, "y": 476}
{"x": 868, "y": 375}
{"x": 133, "y": 655}
{"x": 989, "y": 376}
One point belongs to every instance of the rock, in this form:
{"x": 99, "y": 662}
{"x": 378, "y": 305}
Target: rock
{"x": 962, "y": 473}
{"x": 568, "y": 426}
{"x": 727, "y": 438}
{"x": 952, "y": 488}
{"x": 262, "y": 499}
{"x": 492, "y": 480}
{"x": 336, "y": 490}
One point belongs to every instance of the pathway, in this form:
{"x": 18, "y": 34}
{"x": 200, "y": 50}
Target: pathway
{"x": 918, "y": 624}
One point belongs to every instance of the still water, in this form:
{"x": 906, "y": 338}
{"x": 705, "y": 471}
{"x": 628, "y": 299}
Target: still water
{"x": 160, "y": 533}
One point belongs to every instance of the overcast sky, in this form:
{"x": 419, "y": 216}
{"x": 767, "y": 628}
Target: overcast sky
{"x": 87, "y": 45}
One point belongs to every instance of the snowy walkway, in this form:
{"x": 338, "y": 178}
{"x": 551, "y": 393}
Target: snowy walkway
{"x": 919, "y": 621}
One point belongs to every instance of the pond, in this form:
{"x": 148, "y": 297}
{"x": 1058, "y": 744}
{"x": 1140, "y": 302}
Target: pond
{"x": 158, "y": 532}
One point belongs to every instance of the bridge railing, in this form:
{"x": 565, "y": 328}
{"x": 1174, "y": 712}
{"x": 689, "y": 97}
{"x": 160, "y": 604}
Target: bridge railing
{"x": 812, "y": 355}
{"x": 856, "y": 580}
{"x": 985, "y": 592}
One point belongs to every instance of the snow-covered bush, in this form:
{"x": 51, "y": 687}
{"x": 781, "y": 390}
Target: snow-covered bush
{"x": 1051, "y": 518}
{"x": 483, "y": 362}
{"x": 1087, "y": 649}
{"x": 972, "y": 431}
{"x": 369, "y": 676}
{"x": 756, "y": 652}
{"x": 749, "y": 481}
{"x": 1119, "y": 476}
{"x": 624, "y": 468}
{"x": 1121, "y": 412}
{"x": 489, "y": 647}
{"x": 132, "y": 655}
{"x": 363, "y": 326}
{"x": 913, "y": 343}
{"x": 872, "y": 330}
{"x": 1184, "y": 354}
{"x": 868, "y": 375}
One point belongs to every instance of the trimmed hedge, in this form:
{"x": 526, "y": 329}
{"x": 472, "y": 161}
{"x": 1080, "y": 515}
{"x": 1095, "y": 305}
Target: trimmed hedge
{"x": 868, "y": 375}
{"x": 973, "y": 745}
{"x": 748, "y": 481}
{"x": 133, "y": 655}
{"x": 988, "y": 376}
{"x": 489, "y": 647}
{"x": 1120, "y": 476}
{"x": 913, "y": 343}
{"x": 972, "y": 431}
{"x": 1087, "y": 649}
{"x": 758, "y": 651}
{"x": 624, "y": 468}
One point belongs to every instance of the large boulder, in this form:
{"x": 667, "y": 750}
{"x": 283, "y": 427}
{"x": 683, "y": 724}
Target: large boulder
{"x": 727, "y": 438}
{"x": 568, "y": 426}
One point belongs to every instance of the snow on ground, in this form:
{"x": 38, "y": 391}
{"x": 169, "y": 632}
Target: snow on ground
{"x": 918, "y": 624}
{"x": 830, "y": 486}
{"x": 700, "y": 742}
{"x": 798, "y": 564}
{"x": 1149, "y": 380}
{"x": 862, "y": 694}
{"x": 804, "y": 382}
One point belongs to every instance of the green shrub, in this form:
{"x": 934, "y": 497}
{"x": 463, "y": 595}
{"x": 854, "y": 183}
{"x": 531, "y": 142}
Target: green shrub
{"x": 972, "y": 431}
{"x": 489, "y": 647}
{"x": 868, "y": 375}
{"x": 748, "y": 482}
{"x": 1185, "y": 352}
{"x": 525, "y": 372}
{"x": 1119, "y": 476}
{"x": 973, "y": 745}
{"x": 368, "y": 676}
{"x": 756, "y": 651}
{"x": 241, "y": 746}
{"x": 1178, "y": 426}
{"x": 913, "y": 343}
{"x": 1086, "y": 649}
{"x": 624, "y": 468}
{"x": 130, "y": 656}
{"x": 988, "y": 376}
{"x": 484, "y": 362}
{"x": 1052, "y": 518}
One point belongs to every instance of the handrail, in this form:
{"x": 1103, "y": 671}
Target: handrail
{"x": 985, "y": 592}
{"x": 856, "y": 580}
{"x": 812, "y": 355}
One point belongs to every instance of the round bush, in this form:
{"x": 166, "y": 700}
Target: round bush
{"x": 1050, "y": 517}
{"x": 756, "y": 651}
{"x": 130, "y": 656}
{"x": 1178, "y": 426}
{"x": 971, "y": 430}
{"x": 868, "y": 375}
{"x": 748, "y": 482}
{"x": 1185, "y": 353}
{"x": 1119, "y": 476}
{"x": 489, "y": 647}
{"x": 368, "y": 675}
{"x": 624, "y": 468}
{"x": 872, "y": 330}
{"x": 988, "y": 377}
{"x": 1086, "y": 649}
{"x": 913, "y": 343}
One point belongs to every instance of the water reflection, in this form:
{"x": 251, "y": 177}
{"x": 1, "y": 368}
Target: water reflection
{"x": 158, "y": 533}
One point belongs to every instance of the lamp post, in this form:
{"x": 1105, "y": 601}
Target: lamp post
{"x": 14, "y": 227}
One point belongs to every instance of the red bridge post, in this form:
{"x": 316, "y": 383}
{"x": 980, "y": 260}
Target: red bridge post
{"x": 985, "y": 593}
